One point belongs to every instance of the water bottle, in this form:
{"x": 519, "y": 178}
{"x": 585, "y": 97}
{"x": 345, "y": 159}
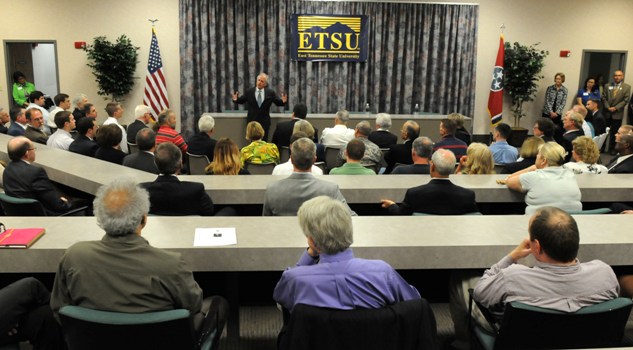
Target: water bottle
{"x": 416, "y": 109}
{"x": 367, "y": 107}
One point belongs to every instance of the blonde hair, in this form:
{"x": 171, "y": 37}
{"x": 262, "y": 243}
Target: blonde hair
{"x": 586, "y": 149}
{"x": 480, "y": 160}
{"x": 305, "y": 127}
{"x": 458, "y": 118}
{"x": 553, "y": 153}
{"x": 226, "y": 158}
{"x": 254, "y": 131}
{"x": 529, "y": 148}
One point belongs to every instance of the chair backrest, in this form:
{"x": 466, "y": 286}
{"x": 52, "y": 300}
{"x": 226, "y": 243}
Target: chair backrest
{"x": 13, "y": 206}
{"x": 132, "y": 147}
{"x": 260, "y": 169}
{"x": 197, "y": 163}
{"x": 405, "y": 325}
{"x": 321, "y": 165}
{"x": 529, "y": 327}
{"x": 284, "y": 154}
{"x": 599, "y": 140}
{"x": 331, "y": 158}
{"x": 93, "y": 329}
{"x": 589, "y": 211}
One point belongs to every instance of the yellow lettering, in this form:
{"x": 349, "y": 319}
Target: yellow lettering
{"x": 348, "y": 39}
{"x": 304, "y": 41}
{"x": 321, "y": 37}
{"x": 336, "y": 41}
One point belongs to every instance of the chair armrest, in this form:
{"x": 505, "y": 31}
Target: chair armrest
{"x": 484, "y": 311}
{"x": 74, "y": 211}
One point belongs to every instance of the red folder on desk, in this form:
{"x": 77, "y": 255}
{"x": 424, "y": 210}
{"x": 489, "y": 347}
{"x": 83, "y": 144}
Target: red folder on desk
{"x": 20, "y": 237}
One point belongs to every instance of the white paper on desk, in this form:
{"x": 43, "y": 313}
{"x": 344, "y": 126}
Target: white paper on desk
{"x": 210, "y": 237}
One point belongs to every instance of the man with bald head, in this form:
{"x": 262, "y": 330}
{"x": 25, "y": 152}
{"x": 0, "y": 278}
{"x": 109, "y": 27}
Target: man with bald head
{"x": 623, "y": 164}
{"x": 24, "y": 180}
{"x": 401, "y": 153}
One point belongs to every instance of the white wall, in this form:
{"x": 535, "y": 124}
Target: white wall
{"x": 45, "y": 69}
{"x": 557, "y": 24}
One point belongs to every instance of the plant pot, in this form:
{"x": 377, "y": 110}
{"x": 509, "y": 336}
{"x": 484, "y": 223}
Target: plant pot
{"x": 517, "y": 136}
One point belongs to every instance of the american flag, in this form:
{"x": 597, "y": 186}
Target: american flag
{"x": 155, "y": 95}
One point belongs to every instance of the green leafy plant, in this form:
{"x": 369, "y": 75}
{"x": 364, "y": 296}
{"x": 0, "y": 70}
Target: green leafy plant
{"x": 522, "y": 68}
{"x": 113, "y": 65}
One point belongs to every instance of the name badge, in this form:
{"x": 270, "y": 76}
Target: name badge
{"x": 19, "y": 88}
{"x": 585, "y": 94}
{"x": 610, "y": 87}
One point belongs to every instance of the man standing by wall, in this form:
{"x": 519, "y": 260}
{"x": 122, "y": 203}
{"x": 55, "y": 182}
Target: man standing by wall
{"x": 614, "y": 100}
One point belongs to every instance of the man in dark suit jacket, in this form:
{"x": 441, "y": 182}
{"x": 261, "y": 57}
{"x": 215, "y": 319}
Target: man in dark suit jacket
{"x": 595, "y": 117}
{"x": 18, "y": 121}
{"x": 401, "y": 153}
{"x": 23, "y": 180}
{"x": 85, "y": 143}
{"x": 440, "y": 196}
{"x": 4, "y": 118}
{"x": 168, "y": 195}
{"x": 258, "y": 100}
{"x": 381, "y": 136}
{"x": 624, "y": 163}
{"x": 144, "y": 158}
{"x": 143, "y": 115}
{"x": 202, "y": 143}
{"x": 572, "y": 123}
{"x": 283, "y": 130}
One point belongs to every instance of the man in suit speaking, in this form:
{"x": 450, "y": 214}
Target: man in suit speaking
{"x": 258, "y": 100}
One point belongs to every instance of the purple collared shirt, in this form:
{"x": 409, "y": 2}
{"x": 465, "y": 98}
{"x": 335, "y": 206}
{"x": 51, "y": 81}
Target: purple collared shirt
{"x": 341, "y": 281}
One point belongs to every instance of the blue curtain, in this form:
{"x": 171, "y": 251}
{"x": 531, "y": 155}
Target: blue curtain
{"x": 421, "y": 54}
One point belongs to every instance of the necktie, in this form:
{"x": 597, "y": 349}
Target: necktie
{"x": 259, "y": 98}
{"x": 615, "y": 90}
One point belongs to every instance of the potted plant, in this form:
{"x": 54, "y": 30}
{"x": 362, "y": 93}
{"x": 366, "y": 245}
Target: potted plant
{"x": 113, "y": 65}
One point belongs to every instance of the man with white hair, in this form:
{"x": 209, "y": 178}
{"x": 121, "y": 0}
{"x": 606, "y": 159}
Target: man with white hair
{"x": 339, "y": 135}
{"x": 328, "y": 275}
{"x": 106, "y": 274}
{"x": 143, "y": 116}
{"x": 382, "y": 137}
{"x": 79, "y": 101}
{"x": 202, "y": 143}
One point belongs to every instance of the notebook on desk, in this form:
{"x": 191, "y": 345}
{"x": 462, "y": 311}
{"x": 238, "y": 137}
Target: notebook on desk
{"x": 20, "y": 237}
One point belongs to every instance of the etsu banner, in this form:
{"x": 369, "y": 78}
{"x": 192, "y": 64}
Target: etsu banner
{"x": 329, "y": 38}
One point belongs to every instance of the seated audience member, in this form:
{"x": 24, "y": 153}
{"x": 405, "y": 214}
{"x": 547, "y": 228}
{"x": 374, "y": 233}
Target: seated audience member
{"x": 167, "y": 131}
{"x": 258, "y": 151}
{"x": 202, "y": 143}
{"x": 25, "y": 314}
{"x": 502, "y": 152}
{"x": 558, "y": 281}
{"x": 123, "y": 273}
{"x": 339, "y": 135}
{"x": 595, "y": 117}
{"x": 143, "y": 115}
{"x": 438, "y": 197}
{"x": 4, "y": 121}
{"x": 477, "y": 161}
{"x": 623, "y": 164}
{"x": 85, "y": 143}
{"x": 587, "y": 127}
{"x": 401, "y": 153}
{"x": 285, "y": 129}
{"x": 115, "y": 113}
{"x": 109, "y": 140}
{"x": 373, "y": 155}
{"x": 547, "y": 183}
{"x": 35, "y": 120}
{"x": 585, "y": 155}
{"x": 382, "y": 137}
{"x": 62, "y": 103}
{"x": 23, "y": 180}
{"x": 37, "y": 100}
{"x": 287, "y": 168}
{"x": 572, "y": 125}
{"x": 284, "y": 197}
{"x": 354, "y": 152}
{"x": 460, "y": 132}
{"x": 528, "y": 153}
{"x": 329, "y": 266}
{"x": 170, "y": 196}
{"x": 80, "y": 100}
{"x": 144, "y": 158}
{"x": 544, "y": 128}
{"x": 304, "y": 126}
{"x": 18, "y": 121}
{"x": 449, "y": 141}
{"x": 421, "y": 151}
{"x": 226, "y": 159}
{"x": 61, "y": 138}
{"x": 88, "y": 110}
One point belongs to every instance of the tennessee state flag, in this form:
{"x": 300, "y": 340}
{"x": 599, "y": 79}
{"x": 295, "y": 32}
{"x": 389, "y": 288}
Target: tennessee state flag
{"x": 495, "y": 100}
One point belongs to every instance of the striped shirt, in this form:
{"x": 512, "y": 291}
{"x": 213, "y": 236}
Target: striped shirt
{"x": 167, "y": 134}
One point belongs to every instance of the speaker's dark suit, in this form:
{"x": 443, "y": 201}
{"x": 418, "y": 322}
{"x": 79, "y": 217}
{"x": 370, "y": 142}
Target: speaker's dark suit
{"x": 141, "y": 160}
{"x": 257, "y": 113}
{"x": 283, "y": 133}
{"x": 625, "y": 167}
{"x": 24, "y": 180}
{"x": 84, "y": 145}
{"x": 383, "y": 138}
{"x": 133, "y": 129}
{"x": 438, "y": 197}
{"x": 201, "y": 144}
{"x": 398, "y": 153}
{"x": 170, "y": 196}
